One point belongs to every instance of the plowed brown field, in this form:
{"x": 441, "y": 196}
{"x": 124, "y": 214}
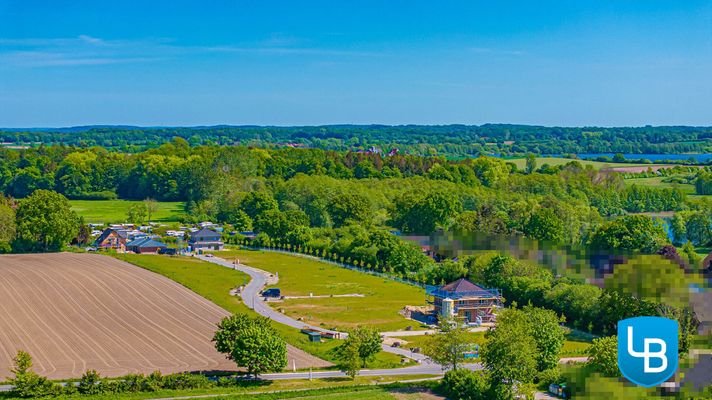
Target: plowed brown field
{"x": 74, "y": 312}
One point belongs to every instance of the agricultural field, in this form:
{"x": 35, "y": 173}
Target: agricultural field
{"x": 74, "y": 312}
{"x": 378, "y": 304}
{"x": 114, "y": 211}
{"x": 214, "y": 283}
{"x": 657, "y": 181}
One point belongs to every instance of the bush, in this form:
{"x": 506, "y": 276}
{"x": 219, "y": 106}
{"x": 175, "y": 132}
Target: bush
{"x": 226, "y": 381}
{"x": 91, "y": 383}
{"x": 153, "y": 382}
{"x": 103, "y": 195}
{"x": 549, "y": 376}
{"x": 464, "y": 384}
{"x": 186, "y": 381}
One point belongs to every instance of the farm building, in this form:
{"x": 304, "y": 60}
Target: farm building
{"x": 116, "y": 237}
{"x": 205, "y": 239}
{"x": 145, "y": 245}
{"x": 463, "y": 299}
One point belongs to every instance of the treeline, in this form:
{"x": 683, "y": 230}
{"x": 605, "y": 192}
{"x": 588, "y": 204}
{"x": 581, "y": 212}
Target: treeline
{"x": 177, "y": 171}
{"x": 450, "y": 140}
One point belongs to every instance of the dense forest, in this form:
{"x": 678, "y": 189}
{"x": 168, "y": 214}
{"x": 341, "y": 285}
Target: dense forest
{"x": 346, "y": 206}
{"x": 445, "y": 140}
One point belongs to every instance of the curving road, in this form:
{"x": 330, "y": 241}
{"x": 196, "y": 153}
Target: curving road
{"x": 251, "y": 296}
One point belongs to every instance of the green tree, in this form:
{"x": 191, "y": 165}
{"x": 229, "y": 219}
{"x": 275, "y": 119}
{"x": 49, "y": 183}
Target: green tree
{"x": 354, "y": 207}
{"x": 703, "y": 183}
{"x": 349, "y": 360}
{"x": 136, "y": 213}
{"x": 698, "y": 228}
{"x": 463, "y": 384}
{"x": 546, "y": 225}
{"x": 25, "y": 382}
{"x": 7, "y": 225}
{"x": 531, "y": 163}
{"x": 631, "y": 233}
{"x": 447, "y": 347}
{"x": 510, "y": 352}
{"x": 151, "y": 206}
{"x": 490, "y": 170}
{"x": 258, "y": 202}
{"x": 90, "y": 383}
{"x": 84, "y": 234}
{"x": 692, "y": 258}
{"x": 252, "y": 343}
{"x": 45, "y": 222}
{"x": 421, "y": 212}
{"x": 548, "y": 336}
{"x": 603, "y": 356}
{"x": 366, "y": 340}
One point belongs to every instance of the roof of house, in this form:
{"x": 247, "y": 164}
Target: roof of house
{"x": 461, "y": 285}
{"x": 145, "y": 242}
{"x": 122, "y": 233}
{"x": 205, "y": 232}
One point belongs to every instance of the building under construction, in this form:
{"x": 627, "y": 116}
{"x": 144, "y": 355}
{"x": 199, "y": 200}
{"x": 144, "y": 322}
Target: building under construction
{"x": 464, "y": 300}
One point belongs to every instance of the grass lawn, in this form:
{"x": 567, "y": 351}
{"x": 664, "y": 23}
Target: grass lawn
{"x": 300, "y": 276}
{"x": 657, "y": 181}
{"x": 114, "y": 211}
{"x": 214, "y": 283}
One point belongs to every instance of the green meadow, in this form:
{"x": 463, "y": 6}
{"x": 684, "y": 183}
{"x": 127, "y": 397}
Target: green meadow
{"x": 114, "y": 211}
{"x": 215, "y": 282}
{"x": 301, "y": 276}
{"x": 556, "y": 161}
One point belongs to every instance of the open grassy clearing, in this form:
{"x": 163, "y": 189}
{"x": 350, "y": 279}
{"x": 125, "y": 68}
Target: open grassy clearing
{"x": 326, "y": 388}
{"x": 114, "y": 211}
{"x": 214, "y": 283}
{"x": 657, "y": 181}
{"x": 300, "y": 276}
{"x": 556, "y": 161}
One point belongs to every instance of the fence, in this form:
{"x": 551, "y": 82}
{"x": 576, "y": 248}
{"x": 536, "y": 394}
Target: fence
{"x": 342, "y": 265}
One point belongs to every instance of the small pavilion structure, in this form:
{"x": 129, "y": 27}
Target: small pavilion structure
{"x": 464, "y": 300}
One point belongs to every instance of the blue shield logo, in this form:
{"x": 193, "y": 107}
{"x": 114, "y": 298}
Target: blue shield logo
{"x": 647, "y": 349}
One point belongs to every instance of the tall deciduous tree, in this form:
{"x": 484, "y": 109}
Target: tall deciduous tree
{"x": 510, "y": 353}
{"x": 367, "y": 342}
{"x": 447, "y": 348}
{"x": 252, "y": 343}
{"x": 45, "y": 222}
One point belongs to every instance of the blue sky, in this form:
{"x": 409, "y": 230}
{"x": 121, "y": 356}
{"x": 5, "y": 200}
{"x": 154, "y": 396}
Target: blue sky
{"x": 572, "y": 63}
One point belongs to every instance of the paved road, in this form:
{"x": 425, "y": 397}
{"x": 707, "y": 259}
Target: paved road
{"x": 251, "y": 296}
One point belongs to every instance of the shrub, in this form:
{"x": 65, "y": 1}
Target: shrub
{"x": 549, "y": 376}
{"x": 26, "y": 382}
{"x": 186, "y": 381}
{"x": 91, "y": 383}
{"x": 464, "y": 384}
{"x": 153, "y": 382}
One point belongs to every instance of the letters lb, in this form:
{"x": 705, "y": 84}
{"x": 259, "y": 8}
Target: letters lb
{"x": 647, "y": 349}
